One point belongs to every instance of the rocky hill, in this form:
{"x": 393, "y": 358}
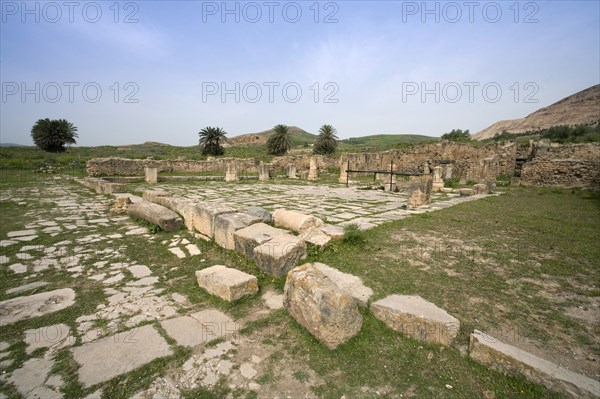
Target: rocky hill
{"x": 581, "y": 108}
{"x": 298, "y": 136}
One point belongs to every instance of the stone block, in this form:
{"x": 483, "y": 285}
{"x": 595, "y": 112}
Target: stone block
{"x": 320, "y": 306}
{"x": 333, "y": 231}
{"x": 466, "y": 192}
{"x": 206, "y": 214}
{"x": 419, "y": 191}
{"x": 316, "y": 237}
{"x": 231, "y": 172}
{"x": 416, "y": 317}
{"x": 156, "y": 214}
{"x": 480, "y": 188}
{"x": 227, "y": 283}
{"x": 264, "y": 171}
{"x": 295, "y": 221}
{"x": 228, "y": 223}
{"x": 510, "y": 360}
{"x": 280, "y": 254}
{"x": 350, "y": 284}
{"x": 262, "y": 213}
{"x": 250, "y": 237}
{"x": 151, "y": 175}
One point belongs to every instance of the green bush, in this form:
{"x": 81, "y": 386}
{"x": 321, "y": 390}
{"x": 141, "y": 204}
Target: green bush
{"x": 354, "y": 235}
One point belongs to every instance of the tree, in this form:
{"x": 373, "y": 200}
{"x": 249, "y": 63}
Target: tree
{"x": 210, "y": 140}
{"x": 327, "y": 141}
{"x": 279, "y": 143}
{"x": 457, "y": 135}
{"x": 53, "y": 135}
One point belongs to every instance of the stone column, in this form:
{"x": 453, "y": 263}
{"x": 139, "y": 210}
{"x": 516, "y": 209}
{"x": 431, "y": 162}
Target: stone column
{"x": 231, "y": 173}
{"x": 343, "y": 174}
{"x": 449, "y": 168}
{"x": 151, "y": 175}
{"x": 426, "y": 169}
{"x": 291, "y": 171}
{"x": 313, "y": 173}
{"x": 438, "y": 183}
{"x": 263, "y": 171}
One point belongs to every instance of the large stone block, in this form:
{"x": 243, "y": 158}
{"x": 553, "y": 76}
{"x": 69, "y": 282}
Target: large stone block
{"x": 250, "y": 237}
{"x": 419, "y": 191}
{"x": 151, "y": 175}
{"x": 350, "y": 284}
{"x": 508, "y": 359}
{"x": 204, "y": 218}
{"x": 295, "y": 221}
{"x": 188, "y": 209}
{"x": 315, "y": 237}
{"x": 228, "y": 223}
{"x": 480, "y": 188}
{"x": 265, "y": 215}
{"x": 227, "y": 283}
{"x": 320, "y": 306}
{"x": 156, "y": 214}
{"x": 278, "y": 255}
{"x": 416, "y": 317}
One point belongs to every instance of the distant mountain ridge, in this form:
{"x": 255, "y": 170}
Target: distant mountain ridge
{"x": 581, "y": 108}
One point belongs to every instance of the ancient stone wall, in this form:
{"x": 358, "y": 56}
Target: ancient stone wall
{"x": 583, "y": 152}
{"x": 562, "y": 173}
{"x": 470, "y": 161}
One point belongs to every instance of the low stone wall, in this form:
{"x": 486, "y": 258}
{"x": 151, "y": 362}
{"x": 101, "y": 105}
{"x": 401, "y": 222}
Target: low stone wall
{"x": 114, "y": 166}
{"x": 561, "y": 173}
{"x": 582, "y": 152}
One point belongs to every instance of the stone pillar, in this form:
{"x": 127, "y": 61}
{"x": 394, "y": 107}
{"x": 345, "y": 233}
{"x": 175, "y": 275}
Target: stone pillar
{"x": 304, "y": 174}
{"x": 343, "y": 174}
{"x": 313, "y": 173}
{"x": 426, "y": 169}
{"x": 449, "y": 168}
{"x": 231, "y": 173}
{"x": 263, "y": 171}
{"x": 438, "y": 183}
{"x": 419, "y": 191}
{"x": 291, "y": 171}
{"x": 151, "y": 175}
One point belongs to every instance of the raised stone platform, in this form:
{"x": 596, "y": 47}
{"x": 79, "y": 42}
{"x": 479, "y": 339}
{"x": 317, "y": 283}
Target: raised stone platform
{"x": 227, "y": 283}
{"x": 416, "y": 317}
{"x": 510, "y": 360}
{"x": 320, "y": 306}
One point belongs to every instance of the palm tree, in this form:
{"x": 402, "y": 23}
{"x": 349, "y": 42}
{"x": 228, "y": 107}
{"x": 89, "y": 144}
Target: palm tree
{"x": 279, "y": 143}
{"x": 53, "y": 135}
{"x": 210, "y": 140}
{"x": 327, "y": 140}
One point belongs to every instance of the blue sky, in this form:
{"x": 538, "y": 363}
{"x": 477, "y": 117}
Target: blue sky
{"x": 137, "y": 71}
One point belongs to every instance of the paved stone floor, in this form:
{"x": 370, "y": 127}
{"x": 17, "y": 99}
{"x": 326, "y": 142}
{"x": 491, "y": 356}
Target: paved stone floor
{"x": 64, "y": 237}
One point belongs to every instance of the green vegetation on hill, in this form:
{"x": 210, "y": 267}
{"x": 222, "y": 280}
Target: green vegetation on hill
{"x": 382, "y": 142}
{"x": 558, "y": 134}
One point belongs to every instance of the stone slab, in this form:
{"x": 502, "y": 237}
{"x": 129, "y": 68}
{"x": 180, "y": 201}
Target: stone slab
{"x": 510, "y": 360}
{"x": 156, "y": 214}
{"x": 200, "y": 327}
{"x": 350, "y": 284}
{"x": 227, "y": 283}
{"x": 280, "y": 254}
{"x": 204, "y": 220}
{"x": 27, "y": 307}
{"x": 26, "y": 287}
{"x": 227, "y": 224}
{"x": 114, "y": 355}
{"x": 416, "y": 317}
{"x": 316, "y": 237}
{"x": 248, "y": 238}
{"x": 57, "y": 336}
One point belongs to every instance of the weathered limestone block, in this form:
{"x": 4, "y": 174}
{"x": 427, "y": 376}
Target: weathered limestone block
{"x": 343, "y": 172}
{"x": 508, "y": 359}
{"x": 120, "y": 205}
{"x": 316, "y": 237}
{"x": 206, "y": 214}
{"x": 151, "y": 175}
{"x": 152, "y": 195}
{"x": 295, "y": 221}
{"x": 333, "y": 231}
{"x": 320, "y": 306}
{"x": 480, "y": 188}
{"x": 262, "y": 213}
{"x": 188, "y": 209}
{"x": 491, "y": 186}
{"x": 156, "y": 214}
{"x": 466, "y": 192}
{"x": 419, "y": 191}
{"x": 228, "y": 223}
{"x": 102, "y": 186}
{"x": 227, "y": 283}
{"x": 313, "y": 172}
{"x": 304, "y": 174}
{"x": 231, "y": 172}
{"x": 350, "y": 284}
{"x": 449, "y": 169}
{"x": 264, "y": 172}
{"x": 250, "y": 237}
{"x": 416, "y": 317}
{"x": 280, "y": 254}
